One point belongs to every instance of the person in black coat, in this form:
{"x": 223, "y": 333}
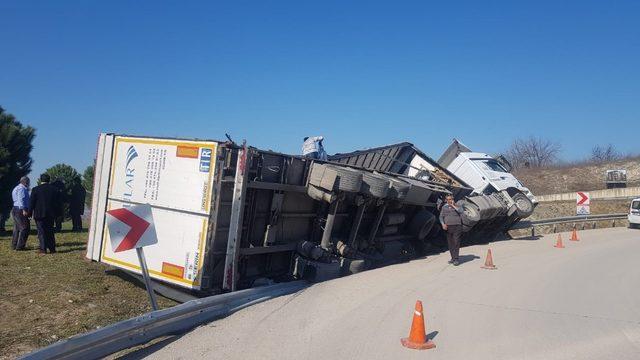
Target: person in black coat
{"x": 59, "y": 185}
{"x": 76, "y": 204}
{"x": 45, "y": 207}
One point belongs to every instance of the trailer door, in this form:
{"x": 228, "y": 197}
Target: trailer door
{"x": 176, "y": 178}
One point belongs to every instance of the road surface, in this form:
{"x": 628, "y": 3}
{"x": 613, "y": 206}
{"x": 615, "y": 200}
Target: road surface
{"x": 580, "y": 302}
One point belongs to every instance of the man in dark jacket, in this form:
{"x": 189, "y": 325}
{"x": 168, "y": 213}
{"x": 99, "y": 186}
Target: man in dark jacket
{"x": 451, "y": 221}
{"x": 45, "y": 207}
{"x": 59, "y": 185}
{"x": 76, "y": 204}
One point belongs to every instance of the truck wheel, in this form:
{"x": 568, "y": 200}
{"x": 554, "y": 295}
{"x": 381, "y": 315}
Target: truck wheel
{"x": 323, "y": 176}
{"x": 471, "y": 214}
{"x": 348, "y": 180}
{"x": 438, "y": 237}
{"x": 421, "y": 224}
{"x": 374, "y": 185}
{"x": 524, "y": 205}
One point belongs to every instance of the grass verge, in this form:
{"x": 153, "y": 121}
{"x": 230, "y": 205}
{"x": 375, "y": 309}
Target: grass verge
{"x": 47, "y": 298}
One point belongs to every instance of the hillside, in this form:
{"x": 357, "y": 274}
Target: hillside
{"x": 578, "y": 177}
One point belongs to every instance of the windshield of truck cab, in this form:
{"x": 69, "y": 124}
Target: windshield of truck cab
{"x": 491, "y": 165}
{"x": 635, "y": 205}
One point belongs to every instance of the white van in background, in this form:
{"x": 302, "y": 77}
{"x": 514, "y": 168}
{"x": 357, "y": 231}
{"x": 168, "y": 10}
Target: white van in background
{"x": 634, "y": 213}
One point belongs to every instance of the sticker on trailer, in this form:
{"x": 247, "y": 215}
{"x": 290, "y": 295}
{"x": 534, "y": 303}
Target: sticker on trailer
{"x": 175, "y": 178}
{"x": 205, "y": 159}
{"x": 582, "y": 203}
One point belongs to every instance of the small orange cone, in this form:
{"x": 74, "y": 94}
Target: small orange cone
{"x": 417, "y": 337}
{"x": 488, "y": 264}
{"x": 574, "y": 235}
{"x": 559, "y": 242}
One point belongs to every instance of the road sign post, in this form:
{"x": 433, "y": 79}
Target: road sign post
{"x": 133, "y": 228}
{"x": 582, "y": 203}
{"x": 147, "y": 279}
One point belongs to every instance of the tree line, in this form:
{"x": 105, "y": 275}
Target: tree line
{"x": 537, "y": 152}
{"x": 16, "y": 144}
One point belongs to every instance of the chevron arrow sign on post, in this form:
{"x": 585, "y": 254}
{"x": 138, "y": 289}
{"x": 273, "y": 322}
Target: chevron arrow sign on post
{"x": 582, "y": 203}
{"x": 131, "y": 227}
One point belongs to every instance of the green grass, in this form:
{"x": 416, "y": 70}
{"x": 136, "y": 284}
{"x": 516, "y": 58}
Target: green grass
{"x": 46, "y": 298}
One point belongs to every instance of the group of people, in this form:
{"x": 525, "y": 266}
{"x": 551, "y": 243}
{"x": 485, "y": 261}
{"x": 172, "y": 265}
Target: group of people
{"x": 45, "y": 204}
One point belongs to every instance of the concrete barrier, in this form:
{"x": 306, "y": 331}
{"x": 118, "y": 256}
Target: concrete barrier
{"x": 608, "y": 194}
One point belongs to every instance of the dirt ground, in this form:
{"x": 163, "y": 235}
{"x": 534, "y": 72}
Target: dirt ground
{"x": 546, "y": 210}
{"x": 46, "y": 298}
{"x": 581, "y": 177}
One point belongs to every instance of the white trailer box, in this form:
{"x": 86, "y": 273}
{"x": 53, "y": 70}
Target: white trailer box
{"x": 175, "y": 177}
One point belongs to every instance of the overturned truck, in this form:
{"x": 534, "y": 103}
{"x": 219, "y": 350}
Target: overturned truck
{"x": 229, "y": 217}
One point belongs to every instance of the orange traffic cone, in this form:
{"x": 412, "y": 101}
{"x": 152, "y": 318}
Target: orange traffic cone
{"x": 488, "y": 264}
{"x": 574, "y": 235}
{"x": 559, "y": 242}
{"x": 417, "y": 337}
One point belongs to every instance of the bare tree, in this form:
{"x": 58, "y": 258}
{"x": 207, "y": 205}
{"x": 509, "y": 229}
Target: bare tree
{"x": 602, "y": 154}
{"x": 532, "y": 152}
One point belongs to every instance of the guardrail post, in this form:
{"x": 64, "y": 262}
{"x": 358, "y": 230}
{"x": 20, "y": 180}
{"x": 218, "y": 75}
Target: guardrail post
{"x": 554, "y": 228}
{"x": 533, "y": 231}
{"x": 613, "y": 223}
{"x": 593, "y": 226}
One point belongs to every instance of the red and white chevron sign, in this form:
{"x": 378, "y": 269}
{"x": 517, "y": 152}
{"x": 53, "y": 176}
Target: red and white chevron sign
{"x": 582, "y": 203}
{"x": 131, "y": 227}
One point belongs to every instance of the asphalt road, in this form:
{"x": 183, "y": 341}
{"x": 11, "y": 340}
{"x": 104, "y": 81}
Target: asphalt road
{"x": 581, "y": 302}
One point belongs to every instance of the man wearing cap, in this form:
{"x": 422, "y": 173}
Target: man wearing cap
{"x": 20, "y": 214}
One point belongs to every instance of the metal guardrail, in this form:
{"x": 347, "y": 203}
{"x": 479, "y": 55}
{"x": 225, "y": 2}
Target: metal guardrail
{"x": 568, "y": 219}
{"x": 175, "y": 320}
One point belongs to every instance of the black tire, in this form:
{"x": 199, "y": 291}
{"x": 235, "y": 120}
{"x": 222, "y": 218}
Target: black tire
{"x": 471, "y": 214}
{"x": 393, "y": 219}
{"x": 438, "y": 237}
{"x": 421, "y": 224}
{"x": 374, "y": 185}
{"x": 348, "y": 180}
{"x": 523, "y": 204}
{"x": 323, "y": 176}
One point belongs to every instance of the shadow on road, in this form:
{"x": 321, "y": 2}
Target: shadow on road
{"x": 535, "y": 237}
{"x": 466, "y": 258}
{"x": 432, "y": 335}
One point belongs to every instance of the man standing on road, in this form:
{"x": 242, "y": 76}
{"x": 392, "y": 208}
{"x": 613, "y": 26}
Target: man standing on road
{"x": 45, "y": 205}
{"x": 20, "y": 214}
{"x": 451, "y": 220}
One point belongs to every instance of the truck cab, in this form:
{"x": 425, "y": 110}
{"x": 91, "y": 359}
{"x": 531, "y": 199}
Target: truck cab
{"x": 487, "y": 175}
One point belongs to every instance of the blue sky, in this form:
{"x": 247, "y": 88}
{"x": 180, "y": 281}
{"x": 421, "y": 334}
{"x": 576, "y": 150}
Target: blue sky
{"x": 362, "y": 74}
